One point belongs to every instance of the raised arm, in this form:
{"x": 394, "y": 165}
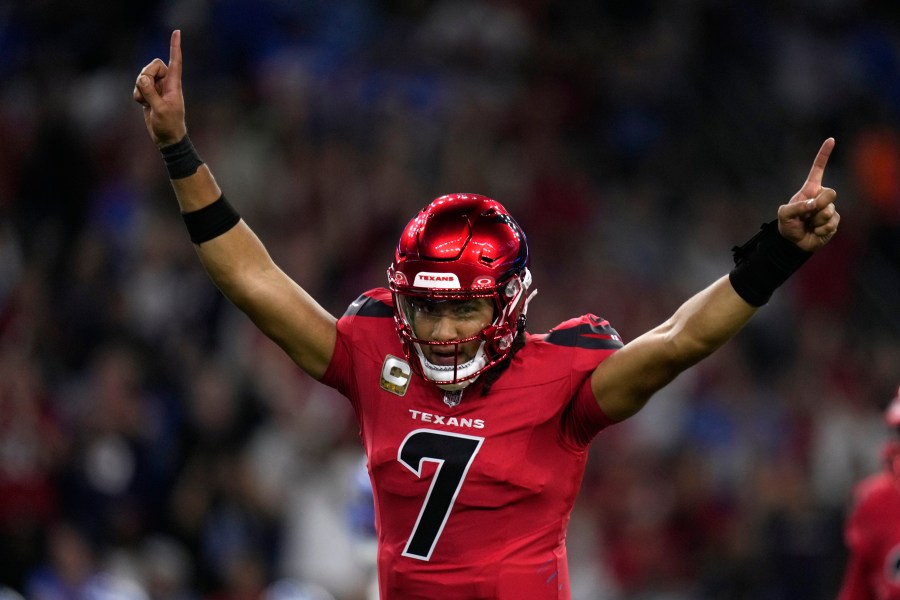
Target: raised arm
{"x": 235, "y": 259}
{"x": 624, "y": 382}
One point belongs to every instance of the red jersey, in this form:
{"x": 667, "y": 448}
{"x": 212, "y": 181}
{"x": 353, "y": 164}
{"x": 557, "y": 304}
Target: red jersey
{"x": 473, "y": 493}
{"x": 872, "y": 534}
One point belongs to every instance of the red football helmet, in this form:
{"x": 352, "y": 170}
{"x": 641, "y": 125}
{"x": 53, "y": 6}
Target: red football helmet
{"x": 459, "y": 247}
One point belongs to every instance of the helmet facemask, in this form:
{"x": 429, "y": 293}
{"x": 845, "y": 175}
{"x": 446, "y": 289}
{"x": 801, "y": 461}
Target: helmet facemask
{"x": 509, "y": 301}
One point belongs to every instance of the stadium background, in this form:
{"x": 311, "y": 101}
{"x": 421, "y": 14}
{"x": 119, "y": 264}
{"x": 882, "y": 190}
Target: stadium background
{"x": 152, "y": 445}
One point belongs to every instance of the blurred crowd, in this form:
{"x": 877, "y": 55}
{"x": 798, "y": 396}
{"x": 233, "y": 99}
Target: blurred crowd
{"x": 154, "y": 446}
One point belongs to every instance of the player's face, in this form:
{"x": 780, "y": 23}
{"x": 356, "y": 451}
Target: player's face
{"x": 450, "y": 320}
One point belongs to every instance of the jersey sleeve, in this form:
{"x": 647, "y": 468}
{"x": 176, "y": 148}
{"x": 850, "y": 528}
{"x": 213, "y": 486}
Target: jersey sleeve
{"x": 584, "y": 418}
{"x": 337, "y": 375}
{"x": 854, "y": 528}
{"x": 855, "y": 583}
{"x": 862, "y": 520}
{"x": 857, "y": 537}
{"x": 591, "y": 339}
{"x": 352, "y": 337}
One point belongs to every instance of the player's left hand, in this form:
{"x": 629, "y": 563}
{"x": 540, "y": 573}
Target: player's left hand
{"x": 810, "y": 218}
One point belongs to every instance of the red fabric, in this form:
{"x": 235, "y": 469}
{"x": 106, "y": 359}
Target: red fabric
{"x": 872, "y": 535}
{"x": 504, "y": 534}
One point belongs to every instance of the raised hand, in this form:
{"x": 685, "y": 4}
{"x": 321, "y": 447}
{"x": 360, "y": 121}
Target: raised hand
{"x": 810, "y": 219}
{"x": 158, "y": 90}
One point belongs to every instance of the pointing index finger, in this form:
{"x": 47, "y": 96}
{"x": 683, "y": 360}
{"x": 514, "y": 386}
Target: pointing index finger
{"x": 817, "y": 172}
{"x": 175, "y": 55}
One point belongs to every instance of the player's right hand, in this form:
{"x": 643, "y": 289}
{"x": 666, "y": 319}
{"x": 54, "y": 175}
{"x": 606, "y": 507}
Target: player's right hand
{"x": 158, "y": 90}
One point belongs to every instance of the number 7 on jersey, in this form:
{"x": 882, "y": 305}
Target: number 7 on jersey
{"x": 453, "y": 453}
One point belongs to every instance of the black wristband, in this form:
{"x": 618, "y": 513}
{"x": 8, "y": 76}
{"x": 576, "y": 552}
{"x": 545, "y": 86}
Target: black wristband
{"x": 211, "y": 221}
{"x": 764, "y": 263}
{"x": 181, "y": 158}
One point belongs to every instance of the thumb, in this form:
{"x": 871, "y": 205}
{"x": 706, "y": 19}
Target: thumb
{"x": 794, "y": 210}
{"x": 147, "y": 91}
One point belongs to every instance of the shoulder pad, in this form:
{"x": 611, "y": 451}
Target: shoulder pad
{"x": 374, "y": 303}
{"x": 588, "y": 331}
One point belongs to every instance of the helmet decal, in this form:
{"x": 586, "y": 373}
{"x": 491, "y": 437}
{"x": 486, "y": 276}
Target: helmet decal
{"x": 399, "y": 278}
{"x": 437, "y": 280}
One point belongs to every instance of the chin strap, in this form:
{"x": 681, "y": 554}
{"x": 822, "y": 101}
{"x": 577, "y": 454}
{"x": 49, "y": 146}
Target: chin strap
{"x": 528, "y": 301}
{"x": 443, "y": 375}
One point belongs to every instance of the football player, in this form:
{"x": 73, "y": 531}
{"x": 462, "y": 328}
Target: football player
{"x": 476, "y": 430}
{"x": 872, "y": 530}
